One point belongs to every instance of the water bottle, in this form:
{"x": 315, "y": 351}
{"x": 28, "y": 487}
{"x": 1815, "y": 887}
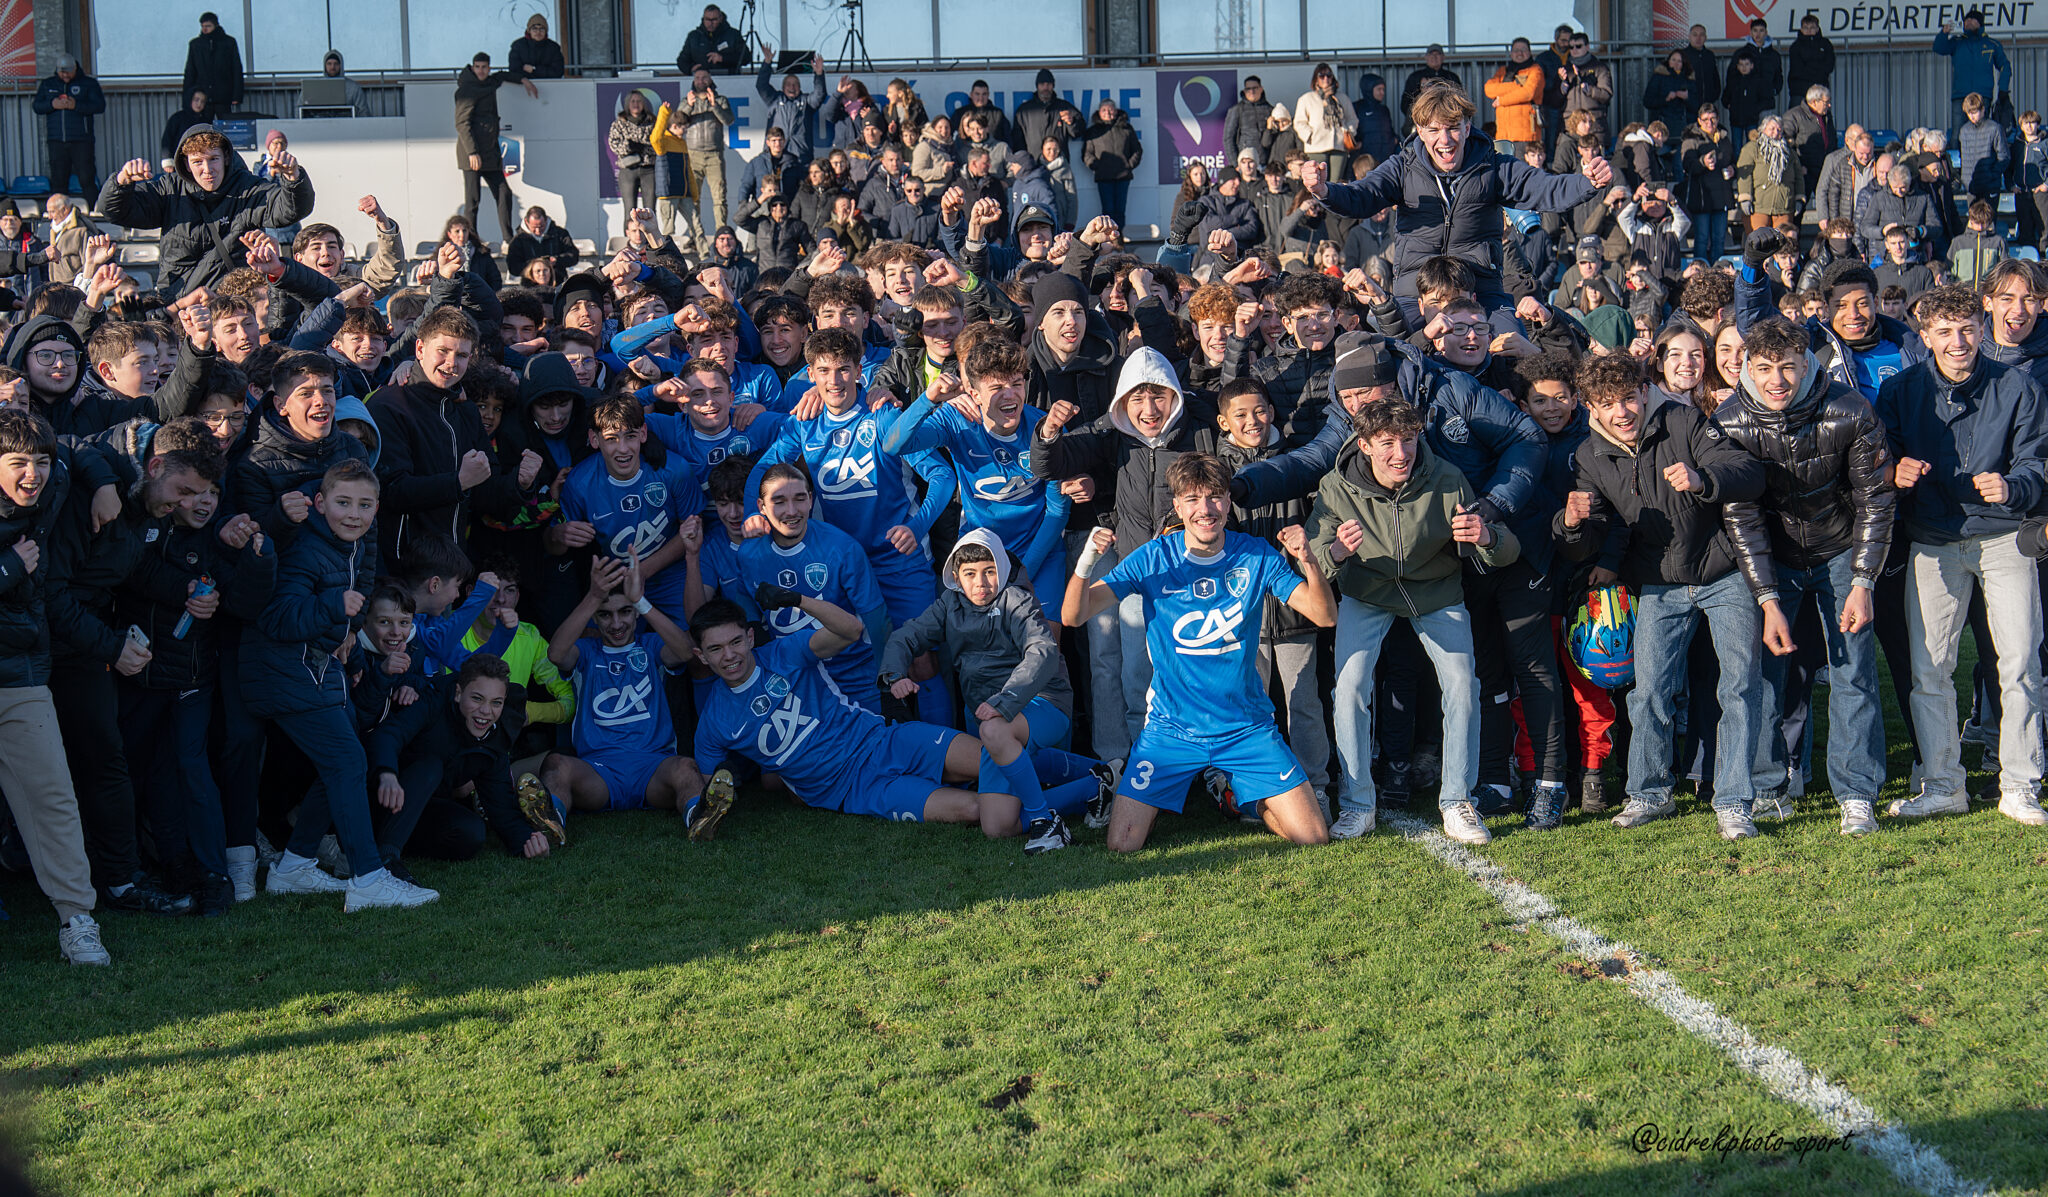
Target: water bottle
{"x": 204, "y": 588}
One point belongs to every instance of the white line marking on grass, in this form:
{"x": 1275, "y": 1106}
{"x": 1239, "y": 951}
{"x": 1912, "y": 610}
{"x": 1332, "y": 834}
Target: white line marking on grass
{"x": 1783, "y": 1073}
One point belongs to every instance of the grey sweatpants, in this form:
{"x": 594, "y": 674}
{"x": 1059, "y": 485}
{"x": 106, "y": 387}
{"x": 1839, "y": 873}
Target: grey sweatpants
{"x": 37, "y": 783}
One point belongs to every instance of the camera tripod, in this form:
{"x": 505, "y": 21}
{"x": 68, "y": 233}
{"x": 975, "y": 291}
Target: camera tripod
{"x": 853, "y": 49}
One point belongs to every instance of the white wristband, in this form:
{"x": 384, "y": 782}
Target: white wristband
{"x": 1089, "y": 556}
{"x": 643, "y": 606}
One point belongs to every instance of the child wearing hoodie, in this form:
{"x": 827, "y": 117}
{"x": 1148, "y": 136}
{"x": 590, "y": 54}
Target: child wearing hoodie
{"x": 991, "y": 636}
{"x": 1389, "y": 528}
{"x": 1147, "y": 428}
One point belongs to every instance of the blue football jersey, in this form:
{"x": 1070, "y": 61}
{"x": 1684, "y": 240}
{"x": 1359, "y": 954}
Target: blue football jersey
{"x": 825, "y": 564}
{"x": 997, "y": 491}
{"x": 858, "y": 488}
{"x": 642, "y": 512}
{"x": 1202, "y": 622}
{"x": 791, "y": 719}
{"x": 704, "y": 450}
{"x": 620, "y": 703}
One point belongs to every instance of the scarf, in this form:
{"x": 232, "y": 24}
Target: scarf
{"x": 1771, "y": 153}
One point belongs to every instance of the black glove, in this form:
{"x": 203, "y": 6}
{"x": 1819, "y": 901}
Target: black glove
{"x": 1185, "y": 218}
{"x": 2033, "y": 539}
{"x": 1240, "y": 491}
{"x": 770, "y": 597}
{"x": 1760, "y": 246}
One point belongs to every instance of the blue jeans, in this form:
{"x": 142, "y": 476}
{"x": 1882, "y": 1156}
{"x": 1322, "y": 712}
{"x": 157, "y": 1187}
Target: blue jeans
{"x": 1666, "y": 617}
{"x": 1446, "y": 636}
{"x": 340, "y": 800}
{"x": 1855, "y": 714}
{"x": 181, "y": 800}
{"x": 1709, "y": 234}
{"x": 1115, "y": 194}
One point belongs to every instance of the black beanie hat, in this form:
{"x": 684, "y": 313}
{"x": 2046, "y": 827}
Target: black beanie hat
{"x": 1363, "y": 360}
{"x": 1044, "y": 76}
{"x": 1052, "y": 287}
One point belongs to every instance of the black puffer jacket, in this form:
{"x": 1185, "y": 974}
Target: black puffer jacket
{"x": 1647, "y": 532}
{"x": 24, "y": 624}
{"x": 1281, "y": 620}
{"x": 1112, "y": 150}
{"x": 1827, "y": 478}
{"x": 278, "y": 460}
{"x": 1297, "y": 381}
{"x": 85, "y": 567}
{"x": 424, "y": 433}
{"x": 202, "y": 230}
{"x": 433, "y": 729}
{"x": 287, "y": 663}
{"x": 153, "y": 599}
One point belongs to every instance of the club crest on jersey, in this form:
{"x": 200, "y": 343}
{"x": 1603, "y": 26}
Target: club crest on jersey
{"x": 777, "y": 686}
{"x": 740, "y": 445}
{"x": 1237, "y": 581}
{"x": 629, "y": 503}
{"x": 786, "y": 579}
{"x": 1204, "y": 588}
{"x": 1454, "y": 430}
{"x": 637, "y": 660}
{"x": 842, "y": 438}
{"x": 761, "y": 705}
{"x": 657, "y": 493}
{"x": 816, "y": 574}
{"x": 867, "y": 436}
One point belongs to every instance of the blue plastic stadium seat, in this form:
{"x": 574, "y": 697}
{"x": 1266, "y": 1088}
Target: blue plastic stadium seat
{"x": 2027, "y": 252}
{"x": 1884, "y": 137}
{"x": 29, "y": 185}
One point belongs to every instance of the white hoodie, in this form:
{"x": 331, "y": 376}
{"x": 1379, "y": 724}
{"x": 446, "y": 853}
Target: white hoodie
{"x": 1146, "y": 365}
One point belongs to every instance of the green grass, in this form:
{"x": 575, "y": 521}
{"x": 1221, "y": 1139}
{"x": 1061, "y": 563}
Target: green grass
{"x": 821, "y": 1004}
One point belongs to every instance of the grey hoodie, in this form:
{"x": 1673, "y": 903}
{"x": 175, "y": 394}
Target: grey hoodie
{"x": 1002, "y": 653}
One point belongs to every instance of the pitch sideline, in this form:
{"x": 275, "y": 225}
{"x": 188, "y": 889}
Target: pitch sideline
{"x": 1784, "y": 1074}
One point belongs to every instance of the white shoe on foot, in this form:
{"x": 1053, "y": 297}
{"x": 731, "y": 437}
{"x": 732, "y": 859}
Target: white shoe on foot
{"x": 1923, "y": 804}
{"x": 385, "y": 889}
{"x": 1857, "y": 817}
{"x": 242, "y": 872}
{"x": 2023, "y": 807}
{"x": 1461, "y": 823}
{"x": 1351, "y": 824}
{"x": 79, "y": 941}
{"x": 306, "y": 879}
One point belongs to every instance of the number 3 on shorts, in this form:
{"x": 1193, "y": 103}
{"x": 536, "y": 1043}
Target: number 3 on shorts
{"x": 1142, "y": 775}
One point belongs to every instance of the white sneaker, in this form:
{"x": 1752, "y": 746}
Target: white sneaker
{"x": 1461, "y": 823}
{"x": 1104, "y": 801}
{"x": 1775, "y": 806}
{"x": 2023, "y": 807}
{"x": 306, "y": 879}
{"x": 1735, "y": 824}
{"x": 1351, "y": 824}
{"x": 1921, "y": 805}
{"x": 79, "y": 941}
{"x": 385, "y": 889}
{"x": 242, "y": 872}
{"x": 1857, "y": 817}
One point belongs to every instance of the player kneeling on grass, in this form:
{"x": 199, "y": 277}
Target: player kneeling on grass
{"x": 991, "y": 636}
{"x": 1390, "y": 524}
{"x": 423, "y": 753}
{"x": 780, "y": 709}
{"x": 625, "y": 742}
{"x": 1204, "y": 593}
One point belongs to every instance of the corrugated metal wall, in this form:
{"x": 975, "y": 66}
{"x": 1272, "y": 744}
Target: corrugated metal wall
{"x": 134, "y": 122}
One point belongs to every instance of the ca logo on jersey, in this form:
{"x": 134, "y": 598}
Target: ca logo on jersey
{"x": 1211, "y": 633}
{"x": 625, "y": 704}
{"x": 643, "y": 537}
{"x": 1002, "y": 488}
{"x": 785, "y": 731}
{"x": 848, "y": 476}
{"x": 816, "y": 574}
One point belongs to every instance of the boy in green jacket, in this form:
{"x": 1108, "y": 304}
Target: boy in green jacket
{"x": 1390, "y": 529}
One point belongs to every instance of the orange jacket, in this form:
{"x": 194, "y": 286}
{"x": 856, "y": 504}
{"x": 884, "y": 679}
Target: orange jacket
{"x": 1514, "y": 102}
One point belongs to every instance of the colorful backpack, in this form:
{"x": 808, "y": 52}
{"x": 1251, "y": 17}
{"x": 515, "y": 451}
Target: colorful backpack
{"x": 1602, "y": 637}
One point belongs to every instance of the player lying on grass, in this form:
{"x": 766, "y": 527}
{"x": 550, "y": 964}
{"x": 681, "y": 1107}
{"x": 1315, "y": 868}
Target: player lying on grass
{"x": 1204, "y": 592}
{"x": 779, "y": 708}
{"x": 991, "y": 636}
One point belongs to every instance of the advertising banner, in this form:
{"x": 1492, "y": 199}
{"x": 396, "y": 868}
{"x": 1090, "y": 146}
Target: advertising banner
{"x": 1841, "y": 21}
{"x": 1191, "y": 107}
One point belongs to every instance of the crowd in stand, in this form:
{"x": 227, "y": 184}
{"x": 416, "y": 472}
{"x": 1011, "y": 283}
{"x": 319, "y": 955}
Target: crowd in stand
{"x": 906, "y": 497}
